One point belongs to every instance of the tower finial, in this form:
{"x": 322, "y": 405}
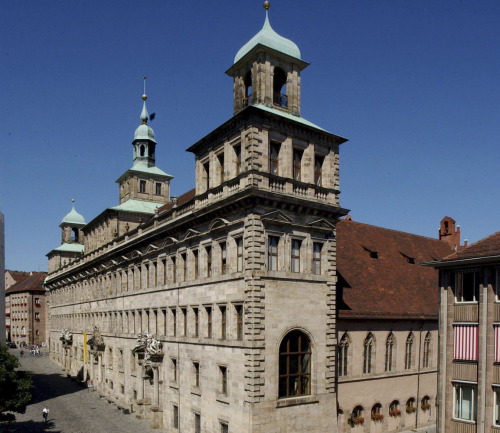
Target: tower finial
{"x": 144, "y": 113}
{"x": 144, "y": 96}
{"x": 267, "y": 5}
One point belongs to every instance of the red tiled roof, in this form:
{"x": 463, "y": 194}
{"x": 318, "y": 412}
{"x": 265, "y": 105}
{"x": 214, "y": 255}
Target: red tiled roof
{"x": 18, "y": 275}
{"x": 33, "y": 283}
{"x": 388, "y": 286}
{"x": 489, "y": 246}
{"x": 180, "y": 200}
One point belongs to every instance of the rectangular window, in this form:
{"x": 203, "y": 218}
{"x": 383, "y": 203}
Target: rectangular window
{"x": 158, "y": 188}
{"x": 465, "y": 342}
{"x": 175, "y": 420}
{"x": 316, "y": 265}
{"x": 197, "y": 423}
{"x": 174, "y": 321}
{"x": 224, "y": 428}
{"x": 497, "y": 343}
{"x": 164, "y": 263}
{"x": 223, "y": 257}
{"x": 465, "y": 401}
{"x": 184, "y": 266}
{"x": 295, "y": 259}
{"x": 174, "y": 270}
{"x": 209, "y": 261}
{"x": 318, "y": 166}
{"x": 272, "y": 253}
{"x": 220, "y": 158}
{"x": 239, "y": 322}
{"x": 184, "y": 320}
{"x": 206, "y": 168}
{"x": 142, "y": 186}
{"x": 209, "y": 321}
{"x": 297, "y": 160}
{"x": 237, "y": 154}
{"x": 174, "y": 370}
{"x": 164, "y": 311}
{"x": 274, "y": 150}
{"x": 467, "y": 286}
{"x": 223, "y": 321}
{"x": 196, "y": 367}
{"x": 223, "y": 379}
{"x": 239, "y": 253}
{"x": 496, "y": 406}
{"x": 196, "y": 264}
{"x": 196, "y": 321}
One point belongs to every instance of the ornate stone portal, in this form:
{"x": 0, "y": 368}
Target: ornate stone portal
{"x": 96, "y": 343}
{"x": 66, "y": 337}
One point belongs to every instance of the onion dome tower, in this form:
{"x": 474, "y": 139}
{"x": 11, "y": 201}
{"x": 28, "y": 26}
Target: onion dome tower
{"x": 71, "y": 226}
{"x": 266, "y": 71}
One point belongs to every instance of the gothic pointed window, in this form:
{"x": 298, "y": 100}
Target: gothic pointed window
{"x": 295, "y": 365}
{"x": 409, "y": 351}
{"x": 343, "y": 355}
{"x": 368, "y": 353}
{"x": 389, "y": 352}
{"x": 427, "y": 350}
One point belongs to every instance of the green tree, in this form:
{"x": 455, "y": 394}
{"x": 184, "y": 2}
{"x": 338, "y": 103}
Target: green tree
{"x": 15, "y": 386}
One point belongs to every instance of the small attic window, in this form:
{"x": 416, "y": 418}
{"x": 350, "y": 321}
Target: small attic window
{"x": 410, "y": 260}
{"x": 373, "y": 254}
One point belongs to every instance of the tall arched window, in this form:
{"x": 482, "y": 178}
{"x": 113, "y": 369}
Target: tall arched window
{"x": 389, "y": 352}
{"x": 295, "y": 365}
{"x": 409, "y": 351}
{"x": 427, "y": 350}
{"x": 377, "y": 412}
{"x": 74, "y": 234}
{"x": 368, "y": 353}
{"x": 410, "y": 405}
{"x": 248, "y": 88}
{"x": 142, "y": 150}
{"x": 343, "y": 355}
{"x": 357, "y": 416}
{"x": 279, "y": 88}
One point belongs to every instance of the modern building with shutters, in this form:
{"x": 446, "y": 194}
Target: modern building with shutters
{"x": 469, "y": 375}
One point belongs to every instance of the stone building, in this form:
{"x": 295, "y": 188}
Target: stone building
{"x": 387, "y": 322}
{"x": 469, "y": 370}
{"x": 235, "y": 280}
{"x": 26, "y": 309}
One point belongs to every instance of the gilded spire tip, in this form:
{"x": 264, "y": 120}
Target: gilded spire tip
{"x": 267, "y": 5}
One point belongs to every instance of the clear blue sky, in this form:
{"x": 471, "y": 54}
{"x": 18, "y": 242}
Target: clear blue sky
{"x": 413, "y": 85}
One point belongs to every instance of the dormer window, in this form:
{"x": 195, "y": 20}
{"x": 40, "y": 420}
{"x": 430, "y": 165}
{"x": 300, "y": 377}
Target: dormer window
{"x": 410, "y": 260}
{"x": 373, "y": 254}
{"x": 279, "y": 88}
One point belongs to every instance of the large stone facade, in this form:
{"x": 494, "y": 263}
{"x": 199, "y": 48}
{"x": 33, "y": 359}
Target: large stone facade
{"x": 235, "y": 279}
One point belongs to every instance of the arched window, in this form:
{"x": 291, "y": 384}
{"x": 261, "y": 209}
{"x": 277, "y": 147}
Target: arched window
{"x": 279, "y": 88}
{"x": 409, "y": 351}
{"x": 248, "y": 88}
{"x": 389, "y": 352}
{"x": 357, "y": 416}
{"x": 377, "y": 412}
{"x": 427, "y": 350}
{"x": 343, "y": 355}
{"x": 368, "y": 353}
{"x": 426, "y": 403}
{"x": 74, "y": 234}
{"x": 142, "y": 150}
{"x": 394, "y": 409}
{"x": 410, "y": 405}
{"x": 295, "y": 365}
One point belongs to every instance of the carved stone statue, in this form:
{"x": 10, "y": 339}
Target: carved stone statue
{"x": 150, "y": 348}
{"x": 66, "y": 337}
{"x": 96, "y": 342}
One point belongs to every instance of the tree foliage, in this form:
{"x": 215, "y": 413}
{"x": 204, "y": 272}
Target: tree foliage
{"x": 15, "y": 386}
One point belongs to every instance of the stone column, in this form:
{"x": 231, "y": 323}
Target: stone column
{"x": 156, "y": 385}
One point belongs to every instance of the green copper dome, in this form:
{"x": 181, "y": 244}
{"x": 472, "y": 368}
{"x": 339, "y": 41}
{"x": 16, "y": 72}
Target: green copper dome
{"x": 268, "y": 37}
{"x": 73, "y": 218}
{"x": 144, "y": 131}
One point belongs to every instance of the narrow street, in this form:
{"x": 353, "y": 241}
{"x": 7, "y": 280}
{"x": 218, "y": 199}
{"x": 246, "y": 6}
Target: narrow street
{"x": 73, "y": 409}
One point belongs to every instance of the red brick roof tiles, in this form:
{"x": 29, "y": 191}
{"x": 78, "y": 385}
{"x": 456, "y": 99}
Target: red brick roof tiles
{"x": 33, "y": 283}
{"x": 184, "y": 198}
{"x": 388, "y": 286}
{"x": 489, "y": 246}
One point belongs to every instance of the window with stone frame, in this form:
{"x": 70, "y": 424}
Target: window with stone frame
{"x": 223, "y": 379}
{"x": 184, "y": 265}
{"x": 173, "y": 311}
{"x": 196, "y": 317}
{"x": 239, "y": 321}
{"x": 174, "y": 269}
{"x": 223, "y": 258}
{"x": 223, "y": 321}
{"x": 224, "y": 427}
{"x": 239, "y": 254}
{"x": 184, "y": 321}
{"x": 316, "y": 258}
{"x": 343, "y": 355}
{"x": 142, "y": 186}
{"x": 174, "y": 370}
{"x": 158, "y": 188}
{"x": 175, "y": 420}
{"x": 465, "y": 401}
{"x": 274, "y": 150}
{"x": 196, "y": 264}
{"x": 390, "y": 350}
{"x": 272, "y": 253}
{"x": 295, "y": 365}
{"x": 409, "y": 351}
{"x": 220, "y": 160}
{"x": 318, "y": 167}
{"x": 197, "y": 423}
{"x": 209, "y": 321}
{"x": 295, "y": 255}
{"x": 297, "y": 164}
{"x": 209, "y": 261}
{"x": 368, "y": 353}
{"x": 426, "y": 361}
{"x": 196, "y": 371}
{"x": 237, "y": 159}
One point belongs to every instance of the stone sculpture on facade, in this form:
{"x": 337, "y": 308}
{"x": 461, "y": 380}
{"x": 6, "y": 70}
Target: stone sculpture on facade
{"x": 149, "y": 350}
{"x": 66, "y": 337}
{"x": 96, "y": 342}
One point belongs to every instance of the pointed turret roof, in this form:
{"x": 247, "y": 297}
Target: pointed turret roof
{"x": 73, "y": 218}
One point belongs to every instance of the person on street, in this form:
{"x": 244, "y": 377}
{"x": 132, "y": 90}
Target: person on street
{"x": 45, "y": 413}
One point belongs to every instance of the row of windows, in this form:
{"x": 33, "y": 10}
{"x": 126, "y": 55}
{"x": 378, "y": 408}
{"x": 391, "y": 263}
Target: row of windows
{"x": 390, "y": 353}
{"x": 357, "y": 416}
{"x": 208, "y": 321}
{"x": 467, "y": 284}
{"x": 223, "y": 426}
{"x": 143, "y": 189}
{"x": 296, "y": 253}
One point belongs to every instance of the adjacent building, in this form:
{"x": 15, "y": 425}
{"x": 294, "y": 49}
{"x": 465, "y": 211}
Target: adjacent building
{"x": 469, "y": 369}
{"x": 387, "y": 322}
{"x": 26, "y": 310}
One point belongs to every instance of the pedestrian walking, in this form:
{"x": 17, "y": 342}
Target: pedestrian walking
{"x": 45, "y": 413}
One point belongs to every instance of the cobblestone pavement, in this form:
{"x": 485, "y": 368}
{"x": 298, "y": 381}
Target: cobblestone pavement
{"x": 73, "y": 409}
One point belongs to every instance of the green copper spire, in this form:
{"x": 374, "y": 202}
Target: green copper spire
{"x": 144, "y": 131}
{"x": 268, "y": 37}
{"x": 73, "y": 218}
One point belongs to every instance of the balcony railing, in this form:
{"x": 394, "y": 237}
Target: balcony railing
{"x": 280, "y": 99}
